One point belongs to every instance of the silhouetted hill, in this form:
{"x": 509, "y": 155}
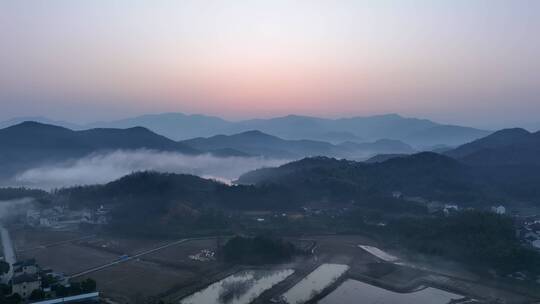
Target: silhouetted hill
{"x": 445, "y": 135}
{"x": 379, "y": 158}
{"x": 428, "y": 175}
{"x": 149, "y": 185}
{"x": 43, "y": 120}
{"x": 379, "y": 146}
{"x": 30, "y": 143}
{"x": 502, "y": 148}
{"x": 37, "y": 135}
{"x": 496, "y": 140}
{"x": 259, "y": 143}
{"x": 176, "y": 126}
{"x": 151, "y": 202}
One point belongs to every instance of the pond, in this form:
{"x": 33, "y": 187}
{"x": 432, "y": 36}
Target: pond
{"x": 314, "y": 283}
{"x": 240, "y": 288}
{"x": 351, "y": 291}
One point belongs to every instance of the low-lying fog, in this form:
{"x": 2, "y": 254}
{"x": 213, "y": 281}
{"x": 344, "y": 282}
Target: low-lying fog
{"x": 103, "y": 168}
{"x": 14, "y": 207}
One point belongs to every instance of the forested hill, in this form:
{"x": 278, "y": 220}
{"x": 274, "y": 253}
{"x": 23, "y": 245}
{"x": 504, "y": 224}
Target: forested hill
{"x": 150, "y": 201}
{"x": 152, "y": 190}
{"x": 428, "y": 175}
{"x": 508, "y": 147}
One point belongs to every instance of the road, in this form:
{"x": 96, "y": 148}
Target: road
{"x": 132, "y": 257}
{"x": 9, "y": 252}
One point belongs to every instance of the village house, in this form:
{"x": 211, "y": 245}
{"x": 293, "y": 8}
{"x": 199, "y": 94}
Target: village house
{"x": 450, "y": 208}
{"x": 25, "y": 284}
{"x": 59, "y": 217}
{"x": 26, "y": 267}
{"x": 397, "y": 194}
{"x": 498, "y": 209}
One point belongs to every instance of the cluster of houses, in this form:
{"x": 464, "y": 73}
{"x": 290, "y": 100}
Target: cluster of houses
{"x": 60, "y": 217}
{"x": 528, "y": 227}
{"x": 204, "y": 255}
{"x": 437, "y": 206}
{"x": 28, "y": 277}
{"x": 33, "y": 283}
{"x": 529, "y": 231}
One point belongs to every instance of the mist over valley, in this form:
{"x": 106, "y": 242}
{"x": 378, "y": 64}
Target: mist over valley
{"x": 255, "y": 152}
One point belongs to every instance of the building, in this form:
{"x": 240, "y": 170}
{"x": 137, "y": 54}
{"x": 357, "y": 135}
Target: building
{"x": 24, "y": 284}
{"x": 450, "y": 208}
{"x": 498, "y": 209}
{"x": 26, "y": 267}
{"x": 32, "y": 217}
{"x": 60, "y": 217}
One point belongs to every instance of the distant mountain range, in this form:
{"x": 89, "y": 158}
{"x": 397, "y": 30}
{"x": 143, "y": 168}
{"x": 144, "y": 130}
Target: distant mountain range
{"x": 259, "y": 143}
{"x": 29, "y": 144}
{"x": 417, "y": 132}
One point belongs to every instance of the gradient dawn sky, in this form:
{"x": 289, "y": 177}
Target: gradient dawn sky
{"x": 474, "y": 62}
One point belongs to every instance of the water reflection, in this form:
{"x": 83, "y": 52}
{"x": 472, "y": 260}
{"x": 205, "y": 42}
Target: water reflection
{"x": 314, "y": 283}
{"x": 239, "y": 288}
{"x": 351, "y": 290}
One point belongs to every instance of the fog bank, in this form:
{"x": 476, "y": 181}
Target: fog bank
{"x": 105, "y": 167}
{"x": 14, "y": 207}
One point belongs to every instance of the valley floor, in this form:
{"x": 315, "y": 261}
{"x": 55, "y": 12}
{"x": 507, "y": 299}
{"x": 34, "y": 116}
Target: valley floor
{"x": 130, "y": 270}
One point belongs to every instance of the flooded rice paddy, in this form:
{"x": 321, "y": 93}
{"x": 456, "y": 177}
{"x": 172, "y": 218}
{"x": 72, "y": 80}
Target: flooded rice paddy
{"x": 240, "y": 288}
{"x": 352, "y": 291}
{"x": 314, "y": 283}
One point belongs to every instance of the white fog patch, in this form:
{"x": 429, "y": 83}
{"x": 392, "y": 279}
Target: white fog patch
{"x": 103, "y": 168}
{"x": 15, "y": 207}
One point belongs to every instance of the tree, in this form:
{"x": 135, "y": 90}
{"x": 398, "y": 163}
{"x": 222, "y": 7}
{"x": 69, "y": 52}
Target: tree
{"x": 37, "y": 295}
{"x": 257, "y": 250}
{"x": 483, "y": 240}
{"x": 4, "y": 267}
{"x": 14, "y": 299}
{"x": 88, "y": 285}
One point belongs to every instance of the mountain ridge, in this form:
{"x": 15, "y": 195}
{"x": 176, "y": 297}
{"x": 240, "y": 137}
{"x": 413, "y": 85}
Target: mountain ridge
{"x": 514, "y": 146}
{"x": 33, "y": 143}
{"x": 414, "y": 131}
{"x": 259, "y": 143}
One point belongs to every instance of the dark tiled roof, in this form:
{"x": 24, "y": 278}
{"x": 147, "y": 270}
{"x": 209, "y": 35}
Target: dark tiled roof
{"x": 29, "y": 262}
{"x": 25, "y": 278}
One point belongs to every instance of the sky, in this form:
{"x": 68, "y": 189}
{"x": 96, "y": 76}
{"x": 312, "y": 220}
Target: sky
{"x": 471, "y": 62}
